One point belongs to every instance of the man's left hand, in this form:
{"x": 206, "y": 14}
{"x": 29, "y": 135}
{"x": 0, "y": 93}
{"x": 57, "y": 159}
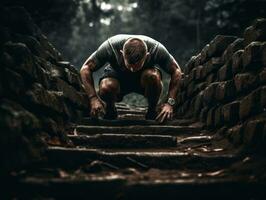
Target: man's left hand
{"x": 166, "y": 113}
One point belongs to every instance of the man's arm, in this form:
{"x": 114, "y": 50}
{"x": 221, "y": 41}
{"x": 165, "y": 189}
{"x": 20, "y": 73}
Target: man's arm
{"x": 93, "y": 63}
{"x": 176, "y": 75}
{"x": 87, "y": 78}
{"x": 174, "y": 85}
{"x": 170, "y": 66}
{"x": 97, "y": 106}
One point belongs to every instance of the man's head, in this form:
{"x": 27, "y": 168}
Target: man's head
{"x": 135, "y": 52}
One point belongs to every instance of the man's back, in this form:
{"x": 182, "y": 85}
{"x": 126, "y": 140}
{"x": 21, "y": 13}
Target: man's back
{"x": 132, "y": 68}
{"x": 109, "y": 52}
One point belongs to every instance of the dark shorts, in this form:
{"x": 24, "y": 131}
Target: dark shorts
{"x": 129, "y": 82}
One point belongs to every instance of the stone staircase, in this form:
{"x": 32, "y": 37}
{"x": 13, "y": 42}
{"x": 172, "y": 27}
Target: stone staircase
{"x": 223, "y": 90}
{"x": 132, "y": 158}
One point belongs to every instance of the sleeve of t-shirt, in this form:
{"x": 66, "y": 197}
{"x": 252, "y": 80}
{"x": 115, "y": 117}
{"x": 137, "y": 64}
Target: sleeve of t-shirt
{"x": 102, "y": 55}
{"x": 163, "y": 58}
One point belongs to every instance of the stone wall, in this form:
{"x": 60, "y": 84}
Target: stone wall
{"x": 224, "y": 87}
{"x": 41, "y": 95}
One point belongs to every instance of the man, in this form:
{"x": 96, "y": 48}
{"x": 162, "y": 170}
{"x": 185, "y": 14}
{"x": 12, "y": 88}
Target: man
{"x": 131, "y": 67}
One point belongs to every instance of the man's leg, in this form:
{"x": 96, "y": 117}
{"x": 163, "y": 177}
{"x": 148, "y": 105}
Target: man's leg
{"x": 151, "y": 81}
{"x": 109, "y": 88}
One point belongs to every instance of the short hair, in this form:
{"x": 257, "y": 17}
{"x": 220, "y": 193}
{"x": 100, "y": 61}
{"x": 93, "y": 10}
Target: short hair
{"x": 134, "y": 50}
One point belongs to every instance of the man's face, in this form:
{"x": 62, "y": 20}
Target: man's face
{"x": 136, "y": 66}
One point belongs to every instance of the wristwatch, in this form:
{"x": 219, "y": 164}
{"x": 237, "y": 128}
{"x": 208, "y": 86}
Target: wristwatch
{"x": 92, "y": 96}
{"x": 171, "y": 101}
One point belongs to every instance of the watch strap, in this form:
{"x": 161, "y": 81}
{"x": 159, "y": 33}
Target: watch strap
{"x": 92, "y": 96}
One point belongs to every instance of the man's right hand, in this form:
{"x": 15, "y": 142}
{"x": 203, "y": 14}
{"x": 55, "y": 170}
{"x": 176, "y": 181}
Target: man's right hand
{"x": 98, "y": 107}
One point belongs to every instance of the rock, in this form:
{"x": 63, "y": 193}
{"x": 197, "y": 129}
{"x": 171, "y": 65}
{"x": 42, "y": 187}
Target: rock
{"x": 181, "y": 97}
{"x": 54, "y": 55}
{"x": 20, "y": 22}
{"x": 51, "y": 126}
{"x": 192, "y": 75}
{"x": 252, "y": 56}
{"x": 17, "y": 119}
{"x": 198, "y": 104}
{"x": 204, "y": 54}
{"x": 195, "y": 88}
{"x": 190, "y": 65}
{"x": 219, "y": 44}
{"x": 212, "y": 66}
{"x": 43, "y": 100}
{"x": 230, "y": 112}
{"x": 211, "y": 118}
{"x": 44, "y": 78}
{"x": 249, "y": 104}
{"x": 238, "y": 44}
{"x": 253, "y": 134}
{"x": 203, "y": 114}
{"x": 57, "y": 72}
{"x": 33, "y": 44}
{"x": 6, "y": 61}
{"x": 245, "y": 81}
{"x": 235, "y": 135}
{"x": 16, "y": 88}
{"x": 225, "y": 91}
{"x": 209, "y": 93}
{"x": 23, "y": 59}
{"x": 190, "y": 88}
{"x": 262, "y": 76}
{"x": 73, "y": 79}
{"x": 4, "y": 35}
{"x": 199, "y": 73}
{"x": 225, "y": 73}
{"x": 218, "y": 117}
{"x": 198, "y": 60}
{"x": 70, "y": 93}
{"x": 67, "y": 65}
{"x": 262, "y": 99}
{"x": 237, "y": 61}
{"x": 186, "y": 81}
{"x": 211, "y": 78}
{"x": 256, "y": 32}
{"x": 32, "y": 113}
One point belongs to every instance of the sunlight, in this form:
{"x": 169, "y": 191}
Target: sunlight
{"x": 105, "y": 21}
{"x": 106, "y": 6}
{"x": 120, "y": 7}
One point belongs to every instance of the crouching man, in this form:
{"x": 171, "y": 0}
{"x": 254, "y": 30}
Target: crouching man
{"x": 131, "y": 66}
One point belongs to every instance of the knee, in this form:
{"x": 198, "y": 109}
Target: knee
{"x": 151, "y": 76}
{"x": 109, "y": 86}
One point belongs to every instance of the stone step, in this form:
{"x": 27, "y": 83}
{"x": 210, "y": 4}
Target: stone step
{"x": 98, "y": 187}
{"x": 169, "y": 158}
{"x": 136, "y": 185}
{"x": 131, "y": 117}
{"x": 131, "y": 111}
{"x": 116, "y": 141}
{"x": 125, "y": 122}
{"x": 138, "y": 129}
{"x": 124, "y": 141}
{"x": 199, "y": 188}
{"x": 122, "y": 107}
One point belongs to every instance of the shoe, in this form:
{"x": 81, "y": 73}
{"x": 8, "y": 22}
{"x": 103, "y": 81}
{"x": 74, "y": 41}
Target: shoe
{"x": 111, "y": 113}
{"x": 151, "y": 115}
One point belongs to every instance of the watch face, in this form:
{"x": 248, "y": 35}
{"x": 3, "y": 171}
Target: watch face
{"x": 171, "y": 101}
